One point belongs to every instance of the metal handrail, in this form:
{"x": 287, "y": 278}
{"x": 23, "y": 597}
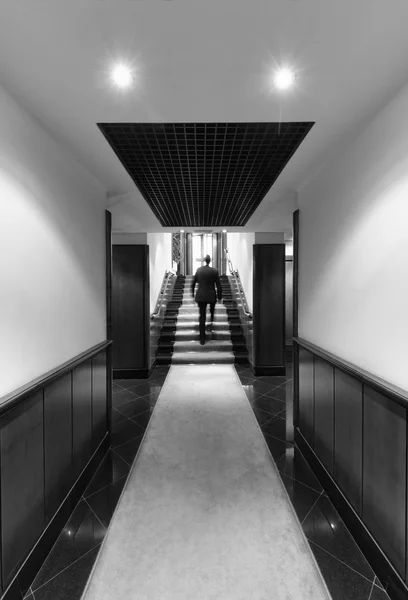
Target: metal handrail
{"x": 159, "y": 303}
{"x": 241, "y": 292}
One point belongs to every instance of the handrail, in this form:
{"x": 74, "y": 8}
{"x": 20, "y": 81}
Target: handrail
{"x": 241, "y": 292}
{"x": 168, "y": 274}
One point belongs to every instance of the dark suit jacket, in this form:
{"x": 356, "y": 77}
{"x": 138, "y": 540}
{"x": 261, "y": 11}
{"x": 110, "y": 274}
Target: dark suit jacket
{"x": 208, "y": 279}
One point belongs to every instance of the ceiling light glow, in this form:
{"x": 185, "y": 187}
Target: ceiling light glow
{"x": 122, "y": 76}
{"x": 284, "y": 78}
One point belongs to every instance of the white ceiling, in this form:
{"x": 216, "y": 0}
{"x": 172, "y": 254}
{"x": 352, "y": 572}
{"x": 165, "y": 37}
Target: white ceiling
{"x": 203, "y": 61}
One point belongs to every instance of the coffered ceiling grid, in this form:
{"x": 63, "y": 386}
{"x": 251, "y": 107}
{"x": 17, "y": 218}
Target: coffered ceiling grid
{"x": 204, "y": 174}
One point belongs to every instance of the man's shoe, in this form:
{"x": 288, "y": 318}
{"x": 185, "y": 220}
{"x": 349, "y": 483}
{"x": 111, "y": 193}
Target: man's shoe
{"x": 209, "y": 327}
{"x": 202, "y": 342}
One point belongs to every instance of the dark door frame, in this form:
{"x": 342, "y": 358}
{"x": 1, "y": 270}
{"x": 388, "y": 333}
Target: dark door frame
{"x": 109, "y": 366}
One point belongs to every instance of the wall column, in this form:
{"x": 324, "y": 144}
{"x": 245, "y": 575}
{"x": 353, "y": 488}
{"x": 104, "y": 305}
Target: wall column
{"x": 269, "y": 304}
{"x": 130, "y": 311}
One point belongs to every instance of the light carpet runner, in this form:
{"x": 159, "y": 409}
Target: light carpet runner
{"x": 204, "y": 514}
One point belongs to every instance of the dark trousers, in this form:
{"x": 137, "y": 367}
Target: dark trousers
{"x": 203, "y": 310}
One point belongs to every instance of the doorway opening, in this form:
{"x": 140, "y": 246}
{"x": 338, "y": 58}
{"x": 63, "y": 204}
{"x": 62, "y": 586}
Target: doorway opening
{"x": 202, "y": 245}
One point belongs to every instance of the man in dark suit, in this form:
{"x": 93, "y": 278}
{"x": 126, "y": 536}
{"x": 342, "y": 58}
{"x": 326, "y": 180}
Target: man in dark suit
{"x": 209, "y": 288}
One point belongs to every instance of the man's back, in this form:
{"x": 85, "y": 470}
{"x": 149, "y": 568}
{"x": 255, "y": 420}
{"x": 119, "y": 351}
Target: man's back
{"x": 208, "y": 279}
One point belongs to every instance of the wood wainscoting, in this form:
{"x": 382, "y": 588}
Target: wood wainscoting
{"x": 54, "y": 433}
{"x": 352, "y": 428}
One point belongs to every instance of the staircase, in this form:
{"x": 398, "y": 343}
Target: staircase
{"x": 179, "y": 340}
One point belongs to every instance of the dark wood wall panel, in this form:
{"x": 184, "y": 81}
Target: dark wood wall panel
{"x": 324, "y": 412}
{"x": 306, "y": 395}
{"x": 359, "y": 452}
{"x": 130, "y": 307}
{"x": 99, "y": 412}
{"x": 289, "y": 300}
{"x": 384, "y": 474}
{"x": 46, "y": 460}
{"x": 81, "y": 416}
{"x": 269, "y": 305}
{"x": 22, "y": 482}
{"x": 58, "y": 442}
{"x": 348, "y": 443}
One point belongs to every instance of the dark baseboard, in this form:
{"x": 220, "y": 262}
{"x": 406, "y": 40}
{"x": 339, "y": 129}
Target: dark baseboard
{"x": 390, "y": 579}
{"x": 153, "y": 366}
{"x": 131, "y": 373}
{"x": 32, "y": 564}
{"x": 275, "y": 371}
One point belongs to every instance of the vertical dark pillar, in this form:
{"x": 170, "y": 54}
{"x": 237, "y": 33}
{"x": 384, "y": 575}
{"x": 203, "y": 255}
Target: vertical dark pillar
{"x": 109, "y": 331}
{"x": 223, "y": 247}
{"x": 183, "y": 264}
{"x": 295, "y": 273}
{"x": 130, "y": 311}
{"x": 295, "y": 299}
{"x": 269, "y": 309}
{"x": 189, "y": 254}
{"x": 215, "y": 251}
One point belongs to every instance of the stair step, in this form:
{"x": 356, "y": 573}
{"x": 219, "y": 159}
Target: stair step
{"x": 194, "y": 346}
{"x": 194, "y": 316}
{"x": 193, "y": 326}
{"x": 190, "y": 334}
{"x": 224, "y": 358}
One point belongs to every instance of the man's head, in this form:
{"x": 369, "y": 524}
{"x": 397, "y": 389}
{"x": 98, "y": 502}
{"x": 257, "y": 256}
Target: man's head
{"x": 207, "y": 259}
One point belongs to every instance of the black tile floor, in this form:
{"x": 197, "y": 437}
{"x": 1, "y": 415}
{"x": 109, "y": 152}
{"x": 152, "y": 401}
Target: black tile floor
{"x": 65, "y": 572}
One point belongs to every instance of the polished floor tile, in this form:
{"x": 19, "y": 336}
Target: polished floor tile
{"x": 324, "y": 527}
{"x": 378, "y": 583}
{"x": 82, "y": 532}
{"x": 142, "y": 419}
{"x": 135, "y": 407}
{"x": 276, "y": 427}
{"x": 70, "y": 583}
{"x": 129, "y": 450}
{"x": 117, "y": 416}
{"x": 103, "y": 503}
{"x": 124, "y": 431}
{"x": 378, "y": 594}
{"x": 280, "y": 393}
{"x": 122, "y": 396}
{"x": 302, "y": 497}
{"x": 262, "y": 387}
{"x": 112, "y": 468}
{"x": 269, "y": 405}
{"x": 294, "y": 465}
{"x": 343, "y": 583}
{"x": 276, "y": 447}
{"x": 146, "y": 389}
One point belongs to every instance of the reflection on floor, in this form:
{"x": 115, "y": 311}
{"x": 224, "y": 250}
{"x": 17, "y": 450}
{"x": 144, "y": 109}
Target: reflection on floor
{"x": 66, "y": 570}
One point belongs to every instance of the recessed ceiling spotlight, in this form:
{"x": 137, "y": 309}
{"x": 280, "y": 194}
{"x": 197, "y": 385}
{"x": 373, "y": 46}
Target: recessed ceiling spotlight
{"x": 284, "y": 78}
{"x": 224, "y": 231}
{"x": 122, "y": 76}
{"x": 181, "y": 230}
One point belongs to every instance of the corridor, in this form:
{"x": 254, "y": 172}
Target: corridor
{"x": 66, "y": 571}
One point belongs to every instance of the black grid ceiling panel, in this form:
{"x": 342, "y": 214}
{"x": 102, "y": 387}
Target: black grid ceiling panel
{"x": 204, "y": 174}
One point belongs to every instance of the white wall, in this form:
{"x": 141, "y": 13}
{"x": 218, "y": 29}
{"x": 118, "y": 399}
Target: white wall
{"x": 52, "y": 252}
{"x": 240, "y": 248}
{"x": 160, "y": 260}
{"x": 122, "y": 239}
{"x": 353, "y": 250}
